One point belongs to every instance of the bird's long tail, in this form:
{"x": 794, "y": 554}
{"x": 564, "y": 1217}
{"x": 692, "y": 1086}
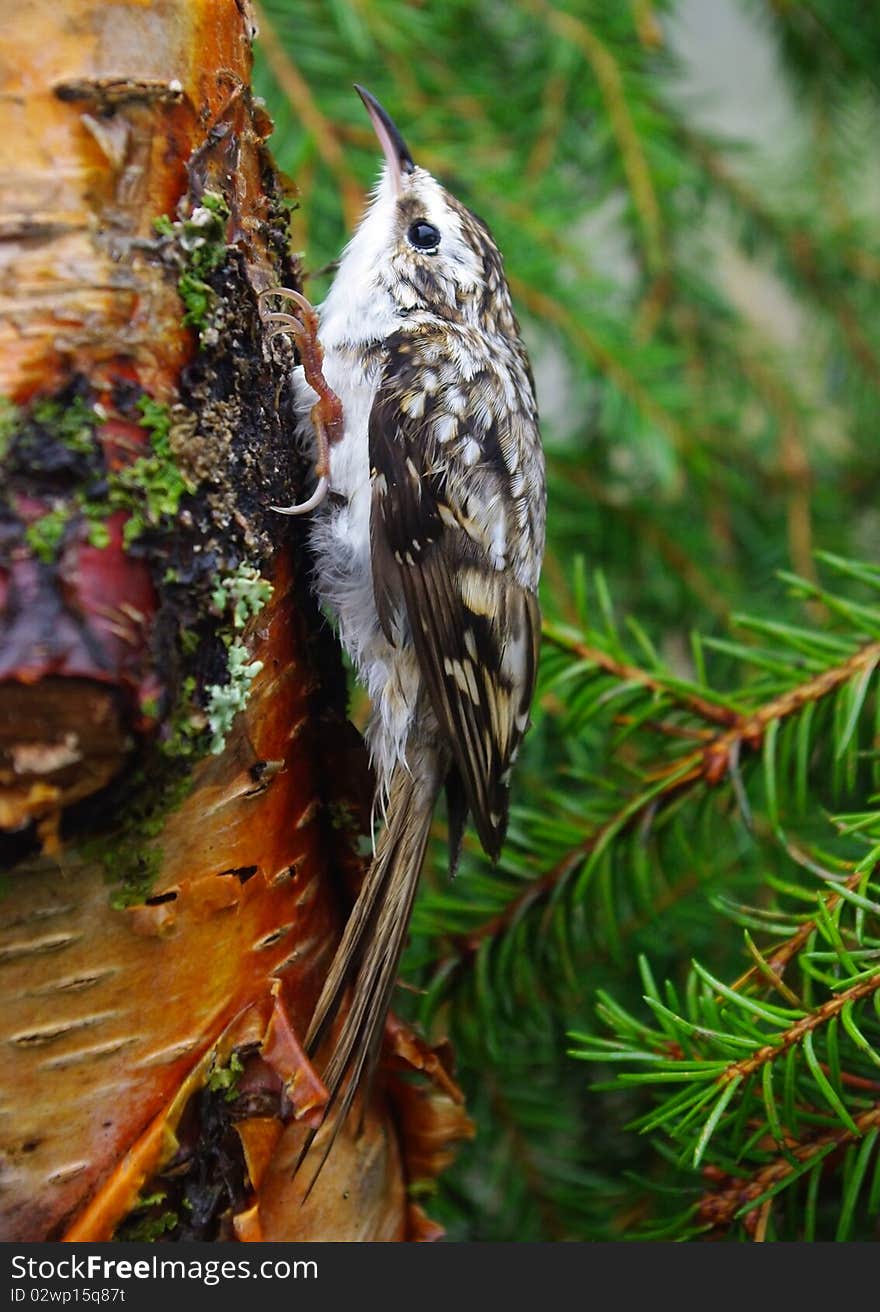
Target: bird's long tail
{"x": 370, "y": 949}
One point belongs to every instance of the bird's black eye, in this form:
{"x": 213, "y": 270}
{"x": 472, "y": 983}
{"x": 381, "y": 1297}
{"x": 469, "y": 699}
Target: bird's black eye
{"x": 423, "y": 235}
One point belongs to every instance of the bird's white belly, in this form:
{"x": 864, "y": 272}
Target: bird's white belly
{"x": 340, "y": 537}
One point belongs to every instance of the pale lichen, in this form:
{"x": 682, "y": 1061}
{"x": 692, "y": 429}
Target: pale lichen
{"x": 244, "y": 593}
{"x": 224, "y": 701}
{"x": 237, "y": 597}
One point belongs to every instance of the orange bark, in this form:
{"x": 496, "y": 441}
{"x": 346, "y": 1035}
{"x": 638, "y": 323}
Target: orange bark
{"x": 114, "y": 1022}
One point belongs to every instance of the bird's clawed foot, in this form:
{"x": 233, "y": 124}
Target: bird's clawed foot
{"x": 326, "y": 413}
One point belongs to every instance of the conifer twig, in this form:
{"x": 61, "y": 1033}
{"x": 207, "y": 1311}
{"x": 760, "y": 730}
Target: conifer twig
{"x": 737, "y": 1070}
{"x": 706, "y": 710}
{"x": 707, "y": 764}
{"x": 787, "y": 951}
{"x": 720, "y": 1208}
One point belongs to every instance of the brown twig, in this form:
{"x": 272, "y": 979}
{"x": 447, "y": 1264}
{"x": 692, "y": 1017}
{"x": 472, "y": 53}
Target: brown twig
{"x": 552, "y": 110}
{"x": 853, "y": 1081}
{"x": 775, "y": 980}
{"x": 738, "y": 1070}
{"x": 719, "y": 1208}
{"x": 764, "y": 1211}
{"x": 653, "y": 306}
{"x": 648, "y": 28}
{"x": 666, "y": 729}
{"x": 787, "y": 951}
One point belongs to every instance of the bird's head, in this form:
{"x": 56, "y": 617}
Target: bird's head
{"x": 418, "y": 248}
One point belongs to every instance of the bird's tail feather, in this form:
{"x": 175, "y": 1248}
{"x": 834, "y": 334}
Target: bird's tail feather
{"x": 370, "y": 949}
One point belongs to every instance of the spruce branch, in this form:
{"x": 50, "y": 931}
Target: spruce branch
{"x": 627, "y": 673}
{"x": 780, "y": 957}
{"x": 709, "y": 764}
{"x": 741, "y": 1196}
{"x": 738, "y": 1070}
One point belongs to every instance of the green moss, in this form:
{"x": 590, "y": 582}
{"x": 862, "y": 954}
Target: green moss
{"x": 185, "y": 727}
{"x": 152, "y": 486}
{"x": 201, "y": 240}
{"x": 130, "y": 856}
{"x": 212, "y": 200}
{"x": 224, "y": 1079}
{"x": 239, "y": 596}
{"x": 9, "y": 422}
{"x": 150, "y": 489}
{"x": 45, "y": 535}
{"x": 98, "y": 533}
{"x": 156, "y": 418}
{"x": 140, "y": 871}
{"x": 190, "y": 730}
{"x": 198, "y": 300}
{"x": 145, "y": 1223}
{"x": 72, "y": 423}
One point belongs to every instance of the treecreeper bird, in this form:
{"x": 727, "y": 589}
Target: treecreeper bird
{"x": 428, "y": 536}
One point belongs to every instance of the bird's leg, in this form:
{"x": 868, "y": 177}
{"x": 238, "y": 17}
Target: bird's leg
{"x": 326, "y": 413}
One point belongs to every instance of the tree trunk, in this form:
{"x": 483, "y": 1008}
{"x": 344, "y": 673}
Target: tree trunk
{"x": 180, "y": 793}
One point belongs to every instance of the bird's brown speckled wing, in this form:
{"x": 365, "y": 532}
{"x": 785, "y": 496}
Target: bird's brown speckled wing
{"x": 438, "y": 584}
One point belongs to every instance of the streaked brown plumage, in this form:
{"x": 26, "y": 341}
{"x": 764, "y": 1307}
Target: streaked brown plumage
{"x": 428, "y": 549}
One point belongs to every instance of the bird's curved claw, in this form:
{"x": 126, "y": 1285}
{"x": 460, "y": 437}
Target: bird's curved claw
{"x": 284, "y": 323}
{"x": 326, "y": 413}
{"x": 304, "y": 507}
{"x": 282, "y": 330}
{"x": 287, "y": 293}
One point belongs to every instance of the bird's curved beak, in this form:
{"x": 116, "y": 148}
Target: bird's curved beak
{"x": 394, "y": 147}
